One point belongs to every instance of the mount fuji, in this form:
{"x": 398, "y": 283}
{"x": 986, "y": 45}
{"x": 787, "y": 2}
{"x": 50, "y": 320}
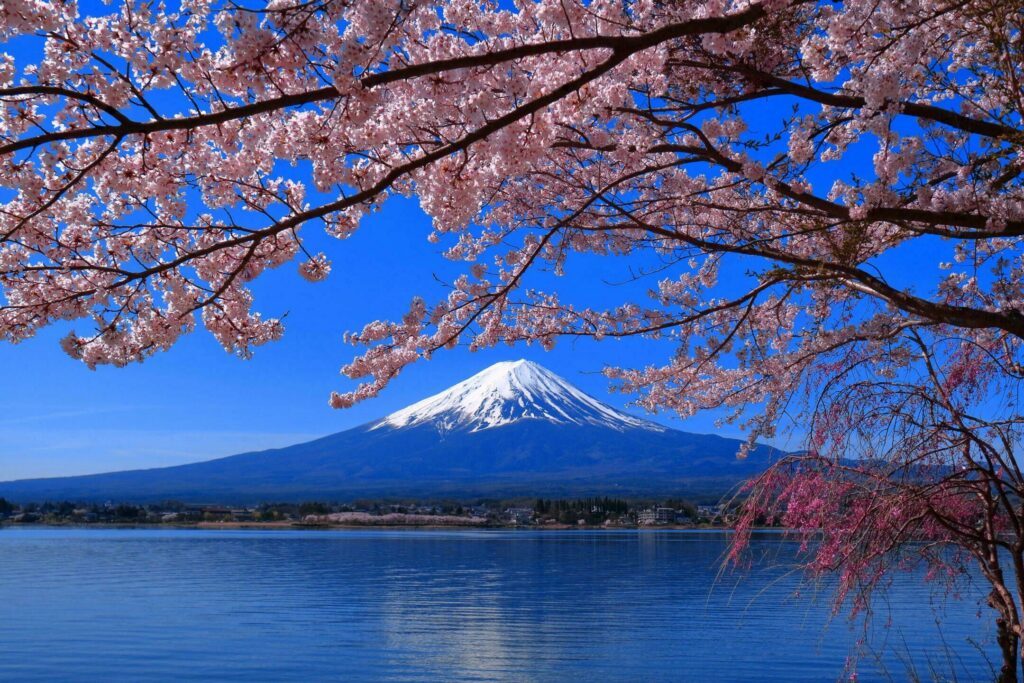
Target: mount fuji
{"x": 513, "y": 429}
{"x": 506, "y": 393}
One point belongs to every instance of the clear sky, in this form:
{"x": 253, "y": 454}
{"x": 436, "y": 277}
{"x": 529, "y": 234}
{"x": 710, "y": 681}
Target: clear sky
{"x": 197, "y": 402}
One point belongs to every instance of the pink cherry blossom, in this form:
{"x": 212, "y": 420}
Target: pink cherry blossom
{"x": 145, "y": 183}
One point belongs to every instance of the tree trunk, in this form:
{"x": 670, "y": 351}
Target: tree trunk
{"x": 1008, "y": 644}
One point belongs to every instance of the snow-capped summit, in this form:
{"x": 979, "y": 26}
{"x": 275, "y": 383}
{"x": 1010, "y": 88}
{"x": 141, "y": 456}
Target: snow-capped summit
{"x": 509, "y": 392}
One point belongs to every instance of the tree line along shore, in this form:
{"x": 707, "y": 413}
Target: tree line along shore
{"x": 599, "y": 512}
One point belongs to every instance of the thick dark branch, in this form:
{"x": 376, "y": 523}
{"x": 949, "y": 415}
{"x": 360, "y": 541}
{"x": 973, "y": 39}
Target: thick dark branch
{"x": 930, "y": 222}
{"x": 623, "y": 46}
{"x": 927, "y": 112}
{"x": 1011, "y": 321}
{"x": 64, "y": 92}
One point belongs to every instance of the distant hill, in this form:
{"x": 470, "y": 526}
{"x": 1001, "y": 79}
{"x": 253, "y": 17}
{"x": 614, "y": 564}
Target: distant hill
{"x": 512, "y": 429}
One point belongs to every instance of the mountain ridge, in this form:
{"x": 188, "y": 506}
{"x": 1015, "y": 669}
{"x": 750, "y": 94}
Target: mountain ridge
{"x": 513, "y": 429}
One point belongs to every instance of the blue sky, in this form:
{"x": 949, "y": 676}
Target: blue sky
{"x": 197, "y": 402}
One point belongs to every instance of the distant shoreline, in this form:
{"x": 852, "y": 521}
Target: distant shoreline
{"x": 292, "y": 526}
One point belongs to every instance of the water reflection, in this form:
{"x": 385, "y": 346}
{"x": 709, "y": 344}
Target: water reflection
{"x": 376, "y": 605}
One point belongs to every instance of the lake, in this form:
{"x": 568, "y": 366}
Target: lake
{"x": 162, "y": 604}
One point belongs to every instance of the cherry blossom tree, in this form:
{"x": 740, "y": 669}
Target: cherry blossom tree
{"x": 825, "y": 196}
{"x": 912, "y": 465}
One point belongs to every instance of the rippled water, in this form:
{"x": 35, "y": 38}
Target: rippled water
{"x": 139, "y": 605}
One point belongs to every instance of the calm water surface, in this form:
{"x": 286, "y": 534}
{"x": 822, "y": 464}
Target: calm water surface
{"x": 141, "y": 605}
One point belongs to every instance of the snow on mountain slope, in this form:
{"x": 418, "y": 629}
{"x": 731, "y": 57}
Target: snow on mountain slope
{"x": 509, "y": 392}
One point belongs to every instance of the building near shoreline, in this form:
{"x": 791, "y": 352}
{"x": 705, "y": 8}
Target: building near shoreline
{"x": 519, "y": 515}
{"x": 656, "y": 515}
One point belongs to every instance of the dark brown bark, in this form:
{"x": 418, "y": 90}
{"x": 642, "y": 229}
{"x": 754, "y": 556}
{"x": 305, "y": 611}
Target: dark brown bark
{"x": 1009, "y": 645}
{"x": 1006, "y": 635}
